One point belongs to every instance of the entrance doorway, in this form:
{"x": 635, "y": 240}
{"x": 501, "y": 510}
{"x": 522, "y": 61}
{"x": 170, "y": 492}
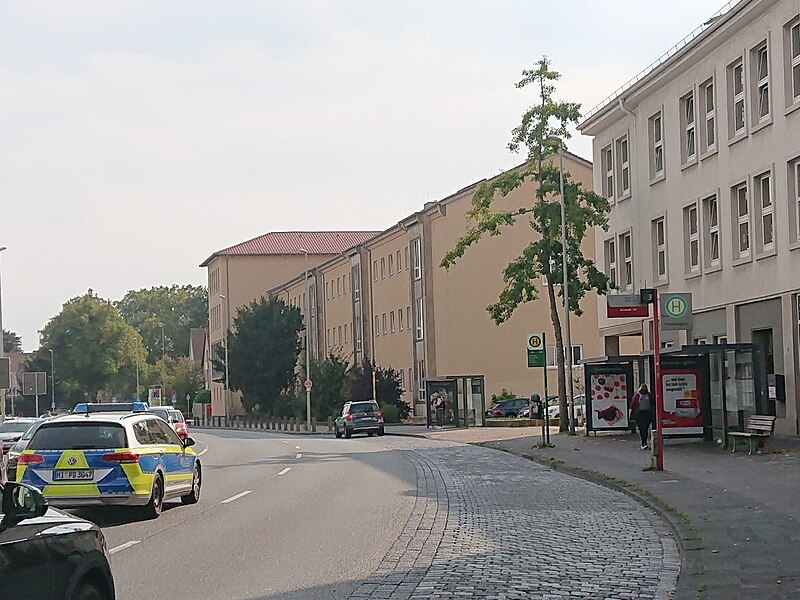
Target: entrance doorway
{"x": 762, "y": 338}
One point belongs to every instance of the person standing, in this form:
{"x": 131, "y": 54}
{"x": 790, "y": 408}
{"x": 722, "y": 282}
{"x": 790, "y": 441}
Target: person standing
{"x": 642, "y": 412}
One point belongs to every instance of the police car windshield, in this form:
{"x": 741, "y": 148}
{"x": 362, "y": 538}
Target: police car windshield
{"x": 79, "y": 436}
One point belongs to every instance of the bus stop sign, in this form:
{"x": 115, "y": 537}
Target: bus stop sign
{"x": 676, "y": 311}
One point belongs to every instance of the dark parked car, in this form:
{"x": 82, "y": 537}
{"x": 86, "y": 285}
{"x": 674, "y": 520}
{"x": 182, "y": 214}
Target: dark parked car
{"x": 507, "y": 408}
{"x": 12, "y": 429}
{"x": 359, "y": 417}
{"x": 12, "y": 456}
{"x": 46, "y": 554}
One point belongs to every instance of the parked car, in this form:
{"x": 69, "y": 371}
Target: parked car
{"x": 53, "y": 555}
{"x": 12, "y": 429}
{"x": 120, "y": 459}
{"x": 13, "y": 454}
{"x": 507, "y": 408}
{"x": 359, "y": 417}
{"x": 174, "y": 417}
{"x": 580, "y": 407}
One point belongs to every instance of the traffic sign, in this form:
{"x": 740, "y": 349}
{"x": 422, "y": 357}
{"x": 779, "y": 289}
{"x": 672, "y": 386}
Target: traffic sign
{"x": 5, "y": 373}
{"x": 676, "y": 311}
{"x": 307, "y": 384}
{"x": 536, "y": 350}
{"x": 626, "y": 305}
{"x": 34, "y": 384}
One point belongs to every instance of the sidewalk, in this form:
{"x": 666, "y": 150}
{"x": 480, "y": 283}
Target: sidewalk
{"x": 737, "y": 516}
{"x": 473, "y": 435}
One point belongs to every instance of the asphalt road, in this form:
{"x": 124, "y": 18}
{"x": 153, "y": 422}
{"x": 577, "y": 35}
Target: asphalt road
{"x": 280, "y": 516}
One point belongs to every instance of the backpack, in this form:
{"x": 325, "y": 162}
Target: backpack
{"x": 645, "y": 401}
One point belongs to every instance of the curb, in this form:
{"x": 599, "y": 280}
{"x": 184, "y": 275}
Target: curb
{"x": 685, "y": 536}
{"x": 421, "y": 436}
{"x": 202, "y": 428}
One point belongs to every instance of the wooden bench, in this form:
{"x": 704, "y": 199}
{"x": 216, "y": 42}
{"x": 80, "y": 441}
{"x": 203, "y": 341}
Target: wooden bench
{"x": 759, "y": 427}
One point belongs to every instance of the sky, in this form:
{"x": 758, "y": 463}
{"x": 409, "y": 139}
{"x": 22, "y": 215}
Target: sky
{"x": 138, "y": 137}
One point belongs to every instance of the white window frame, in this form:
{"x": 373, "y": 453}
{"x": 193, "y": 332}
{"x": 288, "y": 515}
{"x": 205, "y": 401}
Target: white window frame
{"x": 693, "y": 238}
{"x": 391, "y": 264}
{"x": 657, "y": 144}
{"x": 712, "y": 229}
{"x": 741, "y": 220}
{"x": 794, "y": 62}
{"x": 383, "y": 267}
{"x": 608, "y": 172}
{"x": 385, "y": 328}
{"x": 761, "y": 93}
{"x": 357, "y": 334}
{"x": 689, "y": 131}
{"x": 420, "y": 320}
{"x": 624, "y": 162}
{"x": 421, "y": 380}
{"x": 400, "y": 322}
{"x": 356, "y": 284}
{"x": 611, "y": 260}
{"x": 660, "y": 249}
{"x": 766, "y": 212}
{"x": 795, "y": 167}
{"x": 417, "y": 259}
{"x": 737, "y": 98}
{"x": 392, "y": 322}
{"x": 627, "y": 260}
{"x": 377, "y": 325}
{"x": 399, "y": 261}
{"x": 710, "y": 119}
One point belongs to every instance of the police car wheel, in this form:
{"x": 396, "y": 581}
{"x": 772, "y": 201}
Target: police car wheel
{"x": 153, "y": 508}
{"x": 194, "y": 495}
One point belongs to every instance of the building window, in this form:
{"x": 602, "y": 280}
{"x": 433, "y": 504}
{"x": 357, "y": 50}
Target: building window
{"x": 794, "y": 199}
{"x": 660, "y": 249}
{"x": 741, "y": 213}
{"x": 417, "y": 259}
{"x": 656, "y": 146}
{"x": 623, "y": 159}
{"x": 346, "y": 338}
{"x": 607, "y": 158}
{"x": 340, "y": 335}
{"x": 720, "y": 339}
{"x": 312, "y": 294}
{"x": 391, "y": 265}
{"x": 420, "y": 319}
{"x": 406, "y": 256}
{"x": 356, "y": 284}
{"x": 400, "y": 319}
{"x": 403, "y": 380}
{"x": 357, "y": 333}
{"x": 399, "y": 261}
{"x": 344, "y": 283}
{"x": 391, "y": 321}
{"x": 711, "y": 220}
{"x": 385, "y": 328}
{"x": 688, "y": 147}
{"x": 793, "y": 62}
{"x": 736, "y": 98}
{"x": 375, "y": 270}
{"x": 611, "y": 261}
{"x": 383, "y": 267}
{"x": 693, "y": 239}
{"x": 421, "y": 380}
{"x": 377, "y": 325}
{"x": 550, "y": 355}
{"x": 338, "y": 286}
{"x": 709, "y": 130}
{"x": 627, "y": 261}
{"x": 763, "y": 188}
{"x": 408, "y": 317}
{"x": 760, "y": 62}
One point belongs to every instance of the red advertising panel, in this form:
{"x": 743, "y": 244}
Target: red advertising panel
{"x": 626, "y": 305}
{"x": 683, "y": 402}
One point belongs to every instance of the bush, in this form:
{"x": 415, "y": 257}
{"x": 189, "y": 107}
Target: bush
{"x": 503, "y": 395}
{"x": 391, "y": 414}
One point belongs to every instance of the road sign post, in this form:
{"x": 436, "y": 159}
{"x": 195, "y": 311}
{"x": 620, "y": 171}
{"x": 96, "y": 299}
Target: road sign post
{"x": 34, "y": 384}
{"x": 537, "y": 357}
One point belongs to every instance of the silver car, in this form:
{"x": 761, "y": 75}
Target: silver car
{"x": 12, "y": 429}
{"x": 359, "y": 417}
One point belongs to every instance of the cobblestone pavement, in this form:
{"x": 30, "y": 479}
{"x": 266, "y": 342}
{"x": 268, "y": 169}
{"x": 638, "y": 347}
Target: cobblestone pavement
{"x": 491, "y": 525}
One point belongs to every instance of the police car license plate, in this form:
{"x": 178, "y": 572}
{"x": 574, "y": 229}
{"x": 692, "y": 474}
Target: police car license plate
{"x": 73, "y": 474}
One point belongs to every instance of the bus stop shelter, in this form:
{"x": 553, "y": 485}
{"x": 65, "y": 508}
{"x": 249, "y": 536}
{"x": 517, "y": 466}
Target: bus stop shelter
{"x": 463, "y": 400}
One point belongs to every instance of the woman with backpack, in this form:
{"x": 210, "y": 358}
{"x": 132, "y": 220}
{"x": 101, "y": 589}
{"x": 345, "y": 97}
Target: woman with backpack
{"x": 642, "y": 412}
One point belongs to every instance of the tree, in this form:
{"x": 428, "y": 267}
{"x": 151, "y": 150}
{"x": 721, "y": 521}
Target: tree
{"x": 262, "y": 352}
{"x": 11, "y": 342}
{"x": 179, "y": 308}
{"x": 182, "y": 375}
{"x": 96, "y": 350}
{"x": 388, "y": 386}
{"x": 329, "y": 377}
{"x": 543, "y": 256}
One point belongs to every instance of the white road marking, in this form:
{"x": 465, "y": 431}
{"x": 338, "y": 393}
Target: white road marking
{"x": 299, "y": 455}
{"x": 203, "y": 451}
{"x": 297, "y": 447}
{"x": 285, "y": 471}
{"x": 236, "y": 497}
{"x": 116, "y": 549}
{"x": 284, "y": 442}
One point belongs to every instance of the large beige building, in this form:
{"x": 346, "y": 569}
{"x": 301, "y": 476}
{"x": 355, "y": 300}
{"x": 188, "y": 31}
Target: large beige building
{"x": 388, "y": 299}
{"x": 242, "y": 273}
{"x": 700, "y": 156}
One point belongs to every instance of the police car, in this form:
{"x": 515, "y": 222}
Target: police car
{"x": 127, "y": 459}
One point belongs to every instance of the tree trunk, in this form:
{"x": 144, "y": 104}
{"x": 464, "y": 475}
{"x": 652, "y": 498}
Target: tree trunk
{"x": 563, "y": 411}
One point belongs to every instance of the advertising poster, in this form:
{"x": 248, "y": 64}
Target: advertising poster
{"x": 442, "y": 402}
{"x": 683, "y": 402}
{"x": 608, "y": 397}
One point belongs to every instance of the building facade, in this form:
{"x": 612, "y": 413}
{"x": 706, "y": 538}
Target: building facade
{"x": 389, "y": 300}
{"x": 700, "y": 157}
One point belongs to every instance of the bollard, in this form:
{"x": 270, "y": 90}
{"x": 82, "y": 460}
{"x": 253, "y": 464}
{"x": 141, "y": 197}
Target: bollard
{"x": 313, "y": 424}
{"x": 330, "y": 424}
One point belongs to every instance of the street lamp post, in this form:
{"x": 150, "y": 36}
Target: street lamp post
{"x": 52, "y": 381}
{"x": 2, "y": 345}
{"x": 565, "y": 282}
{"x": 163, "y": 364}
{"x": 308, "y": 344}
{"x": 227, "y": 371}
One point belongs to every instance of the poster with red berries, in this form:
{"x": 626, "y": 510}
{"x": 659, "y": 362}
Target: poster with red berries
{"x": 609, "y": 388}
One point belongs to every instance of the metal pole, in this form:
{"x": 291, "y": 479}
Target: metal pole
{"x": 565, "y": 289}
{"x": 658, "y": 394}
{"x": 52, "y": 382}
{"x": 36, "y": 393}
{"x": 137, "y": 376}
{"x": 2, "y": 349}
{"x": 163, "y": 365}
{"x": 308, "y": 348}
{"x": 546, "y": 415}
{"x": 227, "y": 387}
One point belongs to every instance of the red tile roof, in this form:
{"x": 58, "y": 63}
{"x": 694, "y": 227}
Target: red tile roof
{"x": 290, "y": 242}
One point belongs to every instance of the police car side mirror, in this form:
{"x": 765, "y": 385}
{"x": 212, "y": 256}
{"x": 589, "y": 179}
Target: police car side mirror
{"x": 21, "y": 502}
{"x": 187, "y": 441}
